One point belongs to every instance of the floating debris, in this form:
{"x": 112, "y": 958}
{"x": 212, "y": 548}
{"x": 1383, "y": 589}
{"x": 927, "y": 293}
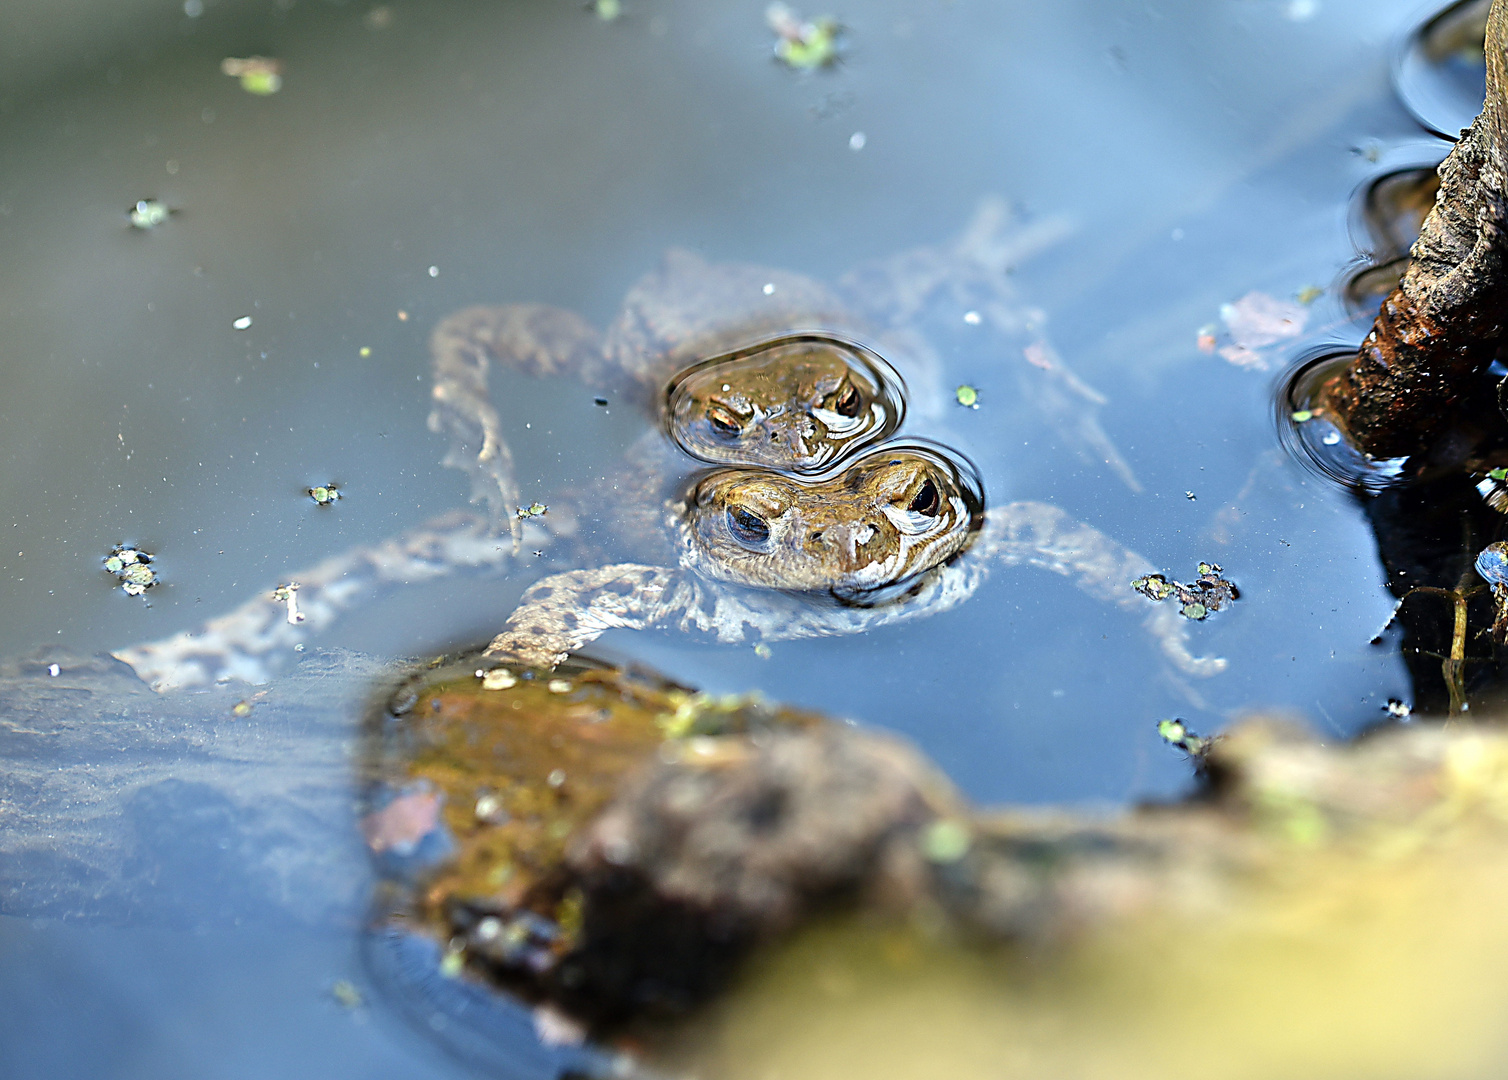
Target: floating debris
{"x": 497, "y": 679}
{"x": 1398, "y": 710}
{"x": 287, "y": 595}
{"x": 132, "y": 567}
{"x": 325, "y": 495}
{"x": 533, "y": 510}
{"x": 1196, "y": 601}
{"x": 260, "y": 75}
{"x": 402, "y": 824}
{"x": 1189, "y": 495}
{"x": 1309, "y": 294}
{"x": 345, "y": 993}
{"x": 967, "y": 396}
{"x": 1253, "y": 323}
{"x": 1299, "y": 416}
{"x": 148, "y": 214}
{"x": 241, "y": 710}
{"x": 243, "y": 323}
{"x": 1176, "y": 733}
{"x": 804, "y": 44}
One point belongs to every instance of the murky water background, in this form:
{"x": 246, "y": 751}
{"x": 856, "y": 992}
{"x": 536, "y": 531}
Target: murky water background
{"x": 444, "y": 154}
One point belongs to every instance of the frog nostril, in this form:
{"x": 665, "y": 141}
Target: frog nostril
{"x": 817, "y": 537}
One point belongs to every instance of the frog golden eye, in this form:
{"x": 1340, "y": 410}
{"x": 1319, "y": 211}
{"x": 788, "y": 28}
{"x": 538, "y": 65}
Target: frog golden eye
{"x": 849, "y": 401}
{"x": 927, "y": 501}
{"x": 724, "y": 421}
{"x": 747, "y": 527}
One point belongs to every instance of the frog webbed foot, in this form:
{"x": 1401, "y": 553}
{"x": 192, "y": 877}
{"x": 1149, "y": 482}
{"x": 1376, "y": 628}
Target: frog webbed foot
{"x": 534, "y": 338}
{"x": 561, "y": 614}
{"x": 1038, "y": 534}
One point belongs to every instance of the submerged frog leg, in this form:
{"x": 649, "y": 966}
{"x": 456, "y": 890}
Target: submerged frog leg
{"x": 248, "y": 644}
{"x": 565, "y": 612}
{"x": 535, "y": 338}
{"x": 973, "y": 275}
{"x": 1044, "y": 536}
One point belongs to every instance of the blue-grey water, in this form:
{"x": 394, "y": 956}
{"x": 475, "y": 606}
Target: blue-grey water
{"x": 424, "y": 156}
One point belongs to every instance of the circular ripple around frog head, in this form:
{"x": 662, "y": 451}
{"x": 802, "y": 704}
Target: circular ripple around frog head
{"x": 1438, "y": 70}
{"x": 801, "y": 403}
{"x": 1316, "y": 441}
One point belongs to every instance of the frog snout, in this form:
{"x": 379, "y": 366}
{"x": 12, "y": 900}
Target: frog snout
{"x": 791, "y": 435}
{"x": 844, "y": 544}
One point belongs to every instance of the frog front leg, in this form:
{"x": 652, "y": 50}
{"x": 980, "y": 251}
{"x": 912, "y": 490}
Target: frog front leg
{"x": 535, "y": 338}
{"x": 1041, "y": 535}
{"x": 563, "y": 613}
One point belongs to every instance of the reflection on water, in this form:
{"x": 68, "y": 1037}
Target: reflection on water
{"x": 452, "y": 154}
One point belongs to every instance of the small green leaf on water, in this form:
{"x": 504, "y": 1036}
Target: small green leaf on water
{"x": 148, "y": 214}
{"x": 259, "y": 75}
{"x": 1498, "y": 474}
{"x": 1309, "y": 294}
{"x": 114, "y": 565}
{"x": 608, "y": 10}
{"x": 945, "y": 841}
{"x": 804, "y": 44}
{"x": 241, "y": 710}
{"x": 345, "y": 992}
{"x": 1172, "y": 731}
{"x": 1195, "y": 611}
{"x": 968, "y": 397}
{"x": 1301, "y": 415}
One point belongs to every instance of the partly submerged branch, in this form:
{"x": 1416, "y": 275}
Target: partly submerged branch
{"x": 1410, "y": 380}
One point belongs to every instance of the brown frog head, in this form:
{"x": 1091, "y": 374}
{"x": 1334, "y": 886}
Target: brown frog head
{"x": 800, "y": 403}
{"x": 894, "y": 513}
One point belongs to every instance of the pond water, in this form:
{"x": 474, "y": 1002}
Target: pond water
{"x": 422, "y": 157}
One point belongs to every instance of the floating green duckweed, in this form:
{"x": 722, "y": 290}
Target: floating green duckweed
{"x": 324, "y": 495}
{"x": 133, "y": 569}
{"x": 967, "y": 396}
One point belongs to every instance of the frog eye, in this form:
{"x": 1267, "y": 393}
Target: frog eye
{"x": 747, "y": 527}
{"x": 848, "y": 401}
{"x": 927, "y": 501}
{"x": 725, "y": 421}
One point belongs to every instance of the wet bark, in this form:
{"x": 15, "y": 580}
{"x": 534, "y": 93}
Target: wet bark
{"x": 1411, "y": 380}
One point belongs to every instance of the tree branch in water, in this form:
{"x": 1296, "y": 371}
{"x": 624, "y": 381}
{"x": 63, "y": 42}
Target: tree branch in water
{"x": 1408, "y": 383}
